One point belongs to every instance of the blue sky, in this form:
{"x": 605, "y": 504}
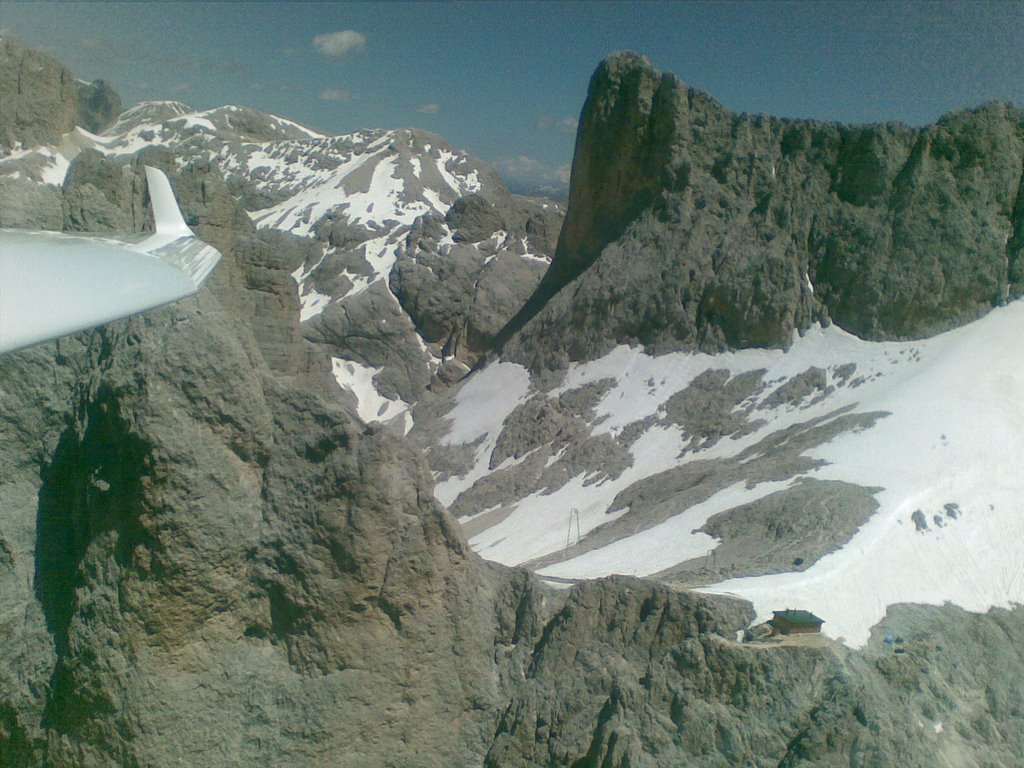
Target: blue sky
{"x": 506, "y": 81}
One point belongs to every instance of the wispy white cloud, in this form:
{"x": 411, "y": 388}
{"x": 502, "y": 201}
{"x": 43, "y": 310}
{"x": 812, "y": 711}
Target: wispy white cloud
{"x": 336, "y": 94}
{"x": 428, "y": 109}
{"x": 528, "y": 175}
{"x": 340, "y": 44}
{"x": 562, "y": 125}
{"x": 519, "y": 166}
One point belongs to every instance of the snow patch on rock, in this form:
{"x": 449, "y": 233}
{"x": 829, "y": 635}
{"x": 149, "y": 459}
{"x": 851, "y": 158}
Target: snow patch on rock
{"x": 372, "y": 406}
{"x": 481, "y": 408}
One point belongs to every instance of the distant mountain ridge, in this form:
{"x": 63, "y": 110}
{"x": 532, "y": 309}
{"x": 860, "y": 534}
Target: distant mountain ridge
{"x": 379, "y": 202}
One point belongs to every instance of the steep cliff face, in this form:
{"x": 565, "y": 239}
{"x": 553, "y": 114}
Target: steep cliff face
{"x": 376, "y": 200}
{"x": 216, "y": 556}
{"x": 628, "y": 674}
{"x": 39, "y": 97}
{"x": 202, "y": 546}
{"x": 690, "y": 227}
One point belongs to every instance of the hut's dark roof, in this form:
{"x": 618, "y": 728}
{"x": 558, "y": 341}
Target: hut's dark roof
{"x": 799, "y": 618}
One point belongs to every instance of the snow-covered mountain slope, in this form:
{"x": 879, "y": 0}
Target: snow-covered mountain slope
{"x": 841, "y": 476}
{"x": 44, "y": 164}
{"x": 372, "y": 198}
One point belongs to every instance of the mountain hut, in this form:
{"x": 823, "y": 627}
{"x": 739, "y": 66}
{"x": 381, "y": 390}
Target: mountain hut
{"x": 790, "y": 622}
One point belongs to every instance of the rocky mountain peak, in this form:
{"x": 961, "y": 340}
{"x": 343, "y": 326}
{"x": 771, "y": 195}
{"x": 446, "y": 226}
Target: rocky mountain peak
{"x": 148, "y": 112}
{"x": 728, "y": 234}
{"x": 373, "y": 206}
{"x": 633, "y": 108}
{"x": 708, "y": 230}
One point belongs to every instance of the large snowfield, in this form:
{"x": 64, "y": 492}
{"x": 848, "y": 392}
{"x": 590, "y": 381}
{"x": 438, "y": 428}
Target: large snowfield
{"x": 954, "y": 435}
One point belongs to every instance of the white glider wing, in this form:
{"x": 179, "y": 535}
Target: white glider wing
{"x": 52, "y": 284}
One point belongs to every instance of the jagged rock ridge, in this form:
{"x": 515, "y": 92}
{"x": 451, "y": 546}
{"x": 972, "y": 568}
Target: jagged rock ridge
{"x": 710, "y": 230}
{"x": 378, "y": 202}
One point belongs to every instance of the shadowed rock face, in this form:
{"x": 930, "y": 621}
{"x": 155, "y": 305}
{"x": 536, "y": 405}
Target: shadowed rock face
{"x": 195, "y": 531}
{"x": 624, "y": 145}
{"x": 690, "y": 227}
{"x": 98, "y": 105}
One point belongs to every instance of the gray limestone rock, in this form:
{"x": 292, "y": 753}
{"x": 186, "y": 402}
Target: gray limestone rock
{"x": 460, "y": 294}
{"x": 547, "y": 442}
{"x": 709, "y": 408}
{"x": 709, "y": 230}
{"x": 39, "y": 97}
{"x": 336, "y": 230}
{"x": 807, "y": 385}
{"x": 437, "y": 290}
{"x": 555, "y": 422}
{"x": 108, "y": 194}
{"x": 629, "y": 674}
{"x": 372, "y": 329}
{"x": 102, "y": 195}
{"x": 198, "y": 550}
{"x": 474, "y": 218}
{"x": 788, "y": 530}
{"x": 27, "y": 205}
{"x": 205, "y": 557}
{"x": 202, "y": 556}
{"x": 778, "y": 456}
{"x": 209, "y": 541}
{"x": 503, "y": 285}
